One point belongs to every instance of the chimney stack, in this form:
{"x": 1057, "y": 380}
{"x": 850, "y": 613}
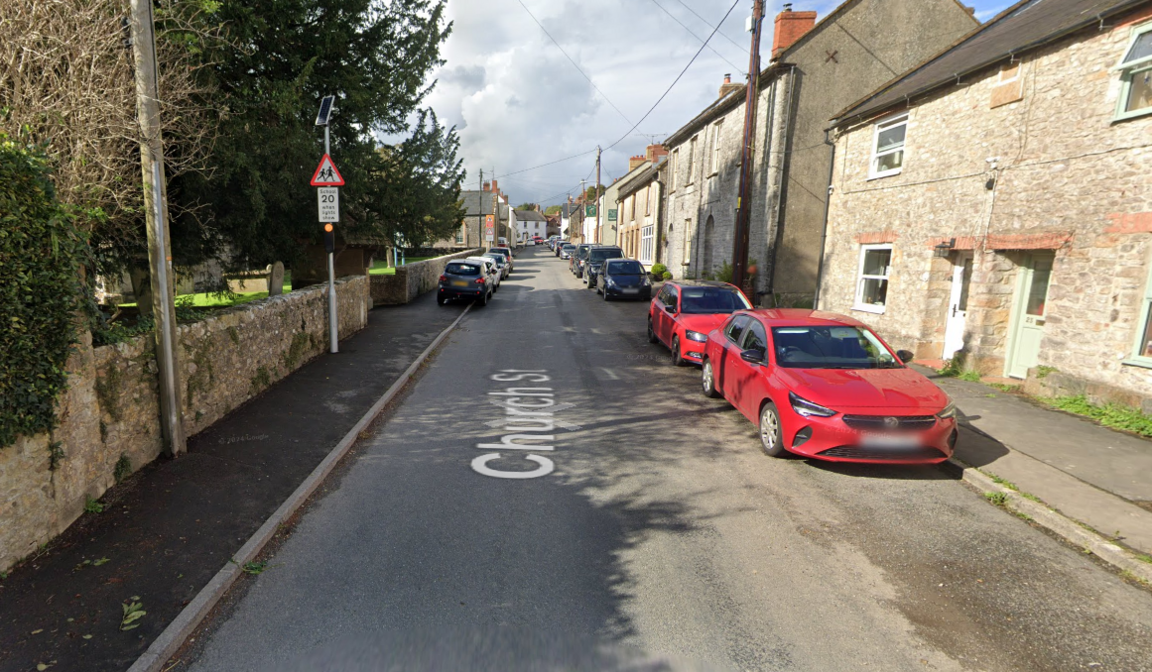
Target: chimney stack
{"x": 654, "y": 152}
{"x": 485, "y": 187}
{"x": 790, "y": 27}
{"x": 635, "y": 161}
{"x": 728, "y": 87}
{"x": 494, "y": 187}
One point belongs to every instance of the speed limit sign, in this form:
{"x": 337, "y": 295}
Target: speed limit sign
{"x": 328, "y": 200}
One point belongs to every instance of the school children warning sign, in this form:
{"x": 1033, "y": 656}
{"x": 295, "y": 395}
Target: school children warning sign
{"x": 326, "y": 174}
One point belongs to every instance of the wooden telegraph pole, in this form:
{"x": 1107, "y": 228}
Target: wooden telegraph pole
{"x": 596, "y": 190}
{"x": 156, "y": 218}
{"x": 752, "y": 95}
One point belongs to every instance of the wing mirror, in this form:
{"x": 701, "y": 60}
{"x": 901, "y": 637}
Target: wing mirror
{"x": 752, "y": 357}
{"x": 905, "y": 355}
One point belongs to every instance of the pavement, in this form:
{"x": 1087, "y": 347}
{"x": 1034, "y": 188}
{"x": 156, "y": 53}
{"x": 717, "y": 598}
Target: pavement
{"x": 170, "y": 528}
{"x": 1091, "y": 474}
{"x": 648, "y": 532}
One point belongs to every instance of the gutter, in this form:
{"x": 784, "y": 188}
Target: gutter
{"x": 824, "y": 228}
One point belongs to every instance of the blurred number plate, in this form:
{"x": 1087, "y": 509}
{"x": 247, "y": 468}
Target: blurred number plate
{"x": 895, "y": 441}
{"x": 459, "y": 283}
{"x": 630, "y": 290}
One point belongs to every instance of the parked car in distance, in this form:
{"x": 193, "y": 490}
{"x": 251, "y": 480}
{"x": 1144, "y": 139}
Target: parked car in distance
{"x": 684, "y": 311}
{"x": 463, "y": 279}
{"x": 501, "y": 262}
{"x": 502, "y": 241}
{"x": 623, "y": 279}
{"x": 825, "y": 386}
{"x": 490, "y": 268}
{"x": 576, "y": 261}
{"x": 507, "y": 252}
{"x": 596, "y": 258}
{"x": 565, "y": 250}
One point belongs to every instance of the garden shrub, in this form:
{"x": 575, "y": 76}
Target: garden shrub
{"x": 41, "y": 292}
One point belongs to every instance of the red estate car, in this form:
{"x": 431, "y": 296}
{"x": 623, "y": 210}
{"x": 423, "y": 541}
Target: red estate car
{"x": 825, "y": 386}
{"x": 684, "y": 311}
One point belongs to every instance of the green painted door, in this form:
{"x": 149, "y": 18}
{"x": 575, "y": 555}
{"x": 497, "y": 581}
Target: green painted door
{"x": 1028, "y": 316}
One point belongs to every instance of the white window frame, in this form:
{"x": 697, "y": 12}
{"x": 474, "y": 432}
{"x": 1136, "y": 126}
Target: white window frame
{"x": 1129, "y": 70}
{"x": 647, "y": 243}
{"x": 883, "y": 125}
{"x": 648, "y": 201}
{"x": 857, "y": 301}
{"x": 715, "y": 167}
{"x": 673, "y": 166}
{"x": 1137, "y": 356}
{"x": 691, "y": 158}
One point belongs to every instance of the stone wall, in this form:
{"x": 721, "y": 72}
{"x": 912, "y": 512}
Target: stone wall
{"x": 110, "y": 411}
{"x": 1044, "y": 170}
{"x": 412, "y": 280}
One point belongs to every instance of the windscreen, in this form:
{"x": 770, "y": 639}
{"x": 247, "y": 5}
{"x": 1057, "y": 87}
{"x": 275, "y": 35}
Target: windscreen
{"x": 831, "y": 347}
{"x": 624, "y": 268}
{"x": 598, "y": 256}
{"x": 498, "y": 259}
{"x": 711, "y": 300}
{"x": 567, "y": 246}
{"x": 462, "y": 269}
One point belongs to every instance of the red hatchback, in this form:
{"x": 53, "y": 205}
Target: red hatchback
{"x": 825, "y": 386}
{"x": 684, "y": 311}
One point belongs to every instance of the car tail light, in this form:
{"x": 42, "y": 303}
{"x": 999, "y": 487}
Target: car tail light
{"x": 479, "y": 281}
{"x": 443, "y": 278}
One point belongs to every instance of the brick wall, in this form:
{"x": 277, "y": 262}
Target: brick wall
{"x": 1067, "y": 178}
{"x": 111, "y": 407}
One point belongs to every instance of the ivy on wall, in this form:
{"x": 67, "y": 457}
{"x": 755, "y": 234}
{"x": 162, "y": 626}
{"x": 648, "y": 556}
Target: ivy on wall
{"x": 41, "y": 292}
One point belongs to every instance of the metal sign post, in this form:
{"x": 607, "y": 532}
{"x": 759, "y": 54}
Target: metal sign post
{"x": 328, "y": 179}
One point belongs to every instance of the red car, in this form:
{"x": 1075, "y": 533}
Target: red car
{"x": 684, "y": 311}
{"x": 825, "y": 386}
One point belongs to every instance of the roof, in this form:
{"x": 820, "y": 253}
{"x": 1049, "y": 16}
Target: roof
{"x": 700, "y": 283}
{"x": 804, "y": 316}
{"x": 640, "y": 180}
{"x": 473, "y": 203}
{"x": 530, "y": 216}
{"x": 1025, "y": 26}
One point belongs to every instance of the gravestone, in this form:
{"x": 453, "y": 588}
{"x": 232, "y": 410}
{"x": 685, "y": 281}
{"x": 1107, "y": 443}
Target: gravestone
{"x": 142, "y": 289}
{"x": 276, "y": 279}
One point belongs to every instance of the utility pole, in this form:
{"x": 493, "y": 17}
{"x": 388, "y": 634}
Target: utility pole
{"x": 752, "y": 95}
{"x": 156, "y": 218}
{"x": 596, "y": 190}
{"x": 583, "y": 209}
{"x": 479, "y": 213}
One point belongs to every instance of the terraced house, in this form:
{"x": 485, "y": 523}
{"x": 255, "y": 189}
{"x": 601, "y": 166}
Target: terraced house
{"x": 817, "y": 69}
{"x": 995, "y": 202}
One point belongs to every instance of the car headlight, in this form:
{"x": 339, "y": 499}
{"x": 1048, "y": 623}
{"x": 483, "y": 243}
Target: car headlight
{"x": 807, "y": 408}
{"x": 948, "y": 412}
{"x": 695, "y": 336}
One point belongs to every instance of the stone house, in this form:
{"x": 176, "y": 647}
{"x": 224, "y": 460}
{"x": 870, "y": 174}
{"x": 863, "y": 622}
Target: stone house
{"x": 996, "y": 201}
{"x": 612, "y": 220}
{"x": 477, "y": 204}
{"x": 528, "y": 223}
{"x": 639, "y": 203}
{"x": 816, "y": 70}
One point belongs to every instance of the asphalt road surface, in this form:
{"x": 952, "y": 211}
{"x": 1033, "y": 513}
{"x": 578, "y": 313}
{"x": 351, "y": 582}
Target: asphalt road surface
{"x": 651, "y": 533}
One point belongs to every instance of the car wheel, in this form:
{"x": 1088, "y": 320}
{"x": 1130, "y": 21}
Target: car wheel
{"x": 605, "y": 293}
{"x": 677, "y": 360}
{"x": 770, "y": 435}
{"x": 440, "y": 300}
{"x": 708, "y": 380}
{"x": 651, "y": 334}
{"x": 483, "y": 300}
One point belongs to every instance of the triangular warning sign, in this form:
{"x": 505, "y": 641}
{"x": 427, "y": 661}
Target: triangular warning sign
{"x": 326, "y": 174}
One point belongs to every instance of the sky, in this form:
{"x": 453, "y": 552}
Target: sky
{"x": 517, "y": 101}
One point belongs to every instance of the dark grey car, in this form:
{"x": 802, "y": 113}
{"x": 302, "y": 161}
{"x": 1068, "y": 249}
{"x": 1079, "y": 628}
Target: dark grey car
{"x": 623, "y": 279}
{"x": 596, "y": 258}
{"x": 464, "y": 280}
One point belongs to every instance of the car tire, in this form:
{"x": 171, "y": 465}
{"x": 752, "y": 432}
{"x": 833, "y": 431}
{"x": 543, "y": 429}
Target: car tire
{"x": 676, "y": 359}
{"x": 708, "y": 380}
{"x": 771, "y": 437}
{"x": 651, "y": 333}
{"x": 606, "y": 297}
{"x": 483, "y": 300}
{"x": 440, "y": 300}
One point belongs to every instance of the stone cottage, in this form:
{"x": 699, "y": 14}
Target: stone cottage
{"x": 816, "y": 69}
{"x": 996, "y": 201}
{"x": 639, "y": 204}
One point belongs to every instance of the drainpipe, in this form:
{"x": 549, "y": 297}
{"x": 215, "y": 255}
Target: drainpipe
{"x": 824, "y": 228}
{"x": 781, "y": 168}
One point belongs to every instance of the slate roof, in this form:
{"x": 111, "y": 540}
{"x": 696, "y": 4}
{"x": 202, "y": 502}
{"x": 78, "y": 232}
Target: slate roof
{"x": 530, "y": 216}
{"x": 1027, "y": 25}
{"x": 473, "y": 203}
{"x": 640, "y": 180}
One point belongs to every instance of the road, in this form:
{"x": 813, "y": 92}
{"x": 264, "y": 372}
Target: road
{"x": 662, "y": 538}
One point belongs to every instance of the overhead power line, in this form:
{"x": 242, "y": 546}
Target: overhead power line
{"x": 689, "y": 31}
{"x": 670, "y": 86}
{"x": 573, "y": 61}
{"x": 734, "y": 43}
{"x": 542, "y": 165}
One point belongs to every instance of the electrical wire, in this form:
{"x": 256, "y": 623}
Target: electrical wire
{"x": 698, "y": 38}
{"x": 734, "y": 43}
{"x": 673, "y": 84}
{"x": 543, "y": 165}
{"x": 573, "y": 62}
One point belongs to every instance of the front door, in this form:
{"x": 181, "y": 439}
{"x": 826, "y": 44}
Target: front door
{"x": 1028, "y": 321}
{"x": 958, "y": 304}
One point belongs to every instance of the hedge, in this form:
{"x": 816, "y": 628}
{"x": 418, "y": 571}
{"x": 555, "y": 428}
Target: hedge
{"x": 41, "y": 295}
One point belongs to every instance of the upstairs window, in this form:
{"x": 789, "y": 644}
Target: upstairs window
{"x": 673, "y": 164}
{"x": 888, "y": 147}
{"x": 1136, "y": 75}
{"x": 691, "y": 159}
